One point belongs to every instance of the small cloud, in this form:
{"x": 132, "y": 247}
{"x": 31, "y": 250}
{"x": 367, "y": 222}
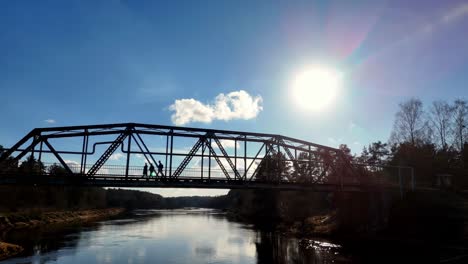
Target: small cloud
{"x": 351, "y": 125}
{"x": 71, "y": 162}
{"x": 226, "y": 143}
{"x": 50, "y": 121}
{"x": 74, "y": 165}
{"x": 357, "y": 143}
{"x": 335, "y": 140}
{"x": 116, "y": 156}
{"x": 234, "y": 105}
{"x": 455, "y": 13}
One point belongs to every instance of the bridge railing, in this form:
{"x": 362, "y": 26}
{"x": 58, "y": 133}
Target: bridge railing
{"x": 109, "y": 171}
{"x": 357, "y": 174}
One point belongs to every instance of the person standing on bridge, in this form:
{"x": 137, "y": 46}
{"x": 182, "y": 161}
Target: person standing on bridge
{"x": 145, "y": 170}
{"x": 160, "y": 168}
{"x": 151, "y": 170}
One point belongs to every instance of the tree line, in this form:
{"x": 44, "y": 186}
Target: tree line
{"x": 432, "y": 139}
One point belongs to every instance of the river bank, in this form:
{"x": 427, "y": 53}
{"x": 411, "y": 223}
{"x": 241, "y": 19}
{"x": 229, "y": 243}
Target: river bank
{"x": 37, "y": 219}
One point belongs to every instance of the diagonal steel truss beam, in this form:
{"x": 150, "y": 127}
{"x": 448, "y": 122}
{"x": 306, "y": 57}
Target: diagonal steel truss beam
{"x": 64, "y": 164}
{"x": 15, "y": 147}
{"x": 188, "y": 158}
{"x": 106, "y": 155}
{"x": 226, "y": 173}
{"x": 226, "y": 156}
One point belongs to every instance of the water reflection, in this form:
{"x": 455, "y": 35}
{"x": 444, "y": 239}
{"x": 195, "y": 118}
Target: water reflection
{"x": 177, "y": 236}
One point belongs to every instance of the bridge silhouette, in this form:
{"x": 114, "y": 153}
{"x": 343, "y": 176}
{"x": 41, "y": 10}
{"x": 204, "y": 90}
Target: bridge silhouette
{"x": 113, "y": 155}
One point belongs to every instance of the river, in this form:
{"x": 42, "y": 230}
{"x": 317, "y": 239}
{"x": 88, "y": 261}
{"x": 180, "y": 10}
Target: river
{"x": 169, "y": 236}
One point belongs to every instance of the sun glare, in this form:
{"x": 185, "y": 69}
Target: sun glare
{"x": 315, "y": 88}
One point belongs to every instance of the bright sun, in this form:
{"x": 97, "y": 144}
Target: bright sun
{"x": 315, "y": 88}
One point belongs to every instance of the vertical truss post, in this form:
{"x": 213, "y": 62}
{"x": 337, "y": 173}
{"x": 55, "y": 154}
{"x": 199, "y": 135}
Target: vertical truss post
{"x": 40, "y": 151}
{"x": 202, "y": 158}
{"x": 170, "y": 155}
{"x": 235, "y": 154}
{"x": 296, "y": 170}
{"x": 245, "y": 157}
{"x": 278, "y": 176}
{"x": 209, "y": 161}
{"x": 167, "y": 148}
{"x": 86, "y": 151}
{"x": 129, "y": 147}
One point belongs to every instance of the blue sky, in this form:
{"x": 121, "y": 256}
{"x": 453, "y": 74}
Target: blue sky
{"x": 91, "y": 62}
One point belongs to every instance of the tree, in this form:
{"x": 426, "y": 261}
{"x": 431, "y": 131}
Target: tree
{"x": 31, "y": 165}
{"x": 460, "y": 122}
{"x": 442, "y": 120}
{"x": 375, "y": 154}
{"x": 410, "y": 124}
{"x": 420, "y": 157}
{"x": 57, "y": 170}
{"x": 272, "y": 165}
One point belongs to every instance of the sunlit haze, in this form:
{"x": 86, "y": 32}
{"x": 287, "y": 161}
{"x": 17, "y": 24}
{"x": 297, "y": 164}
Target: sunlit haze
{"x": 316, "y": 88}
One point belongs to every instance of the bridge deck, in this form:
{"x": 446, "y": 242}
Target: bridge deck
{"x": 185, "y": 182}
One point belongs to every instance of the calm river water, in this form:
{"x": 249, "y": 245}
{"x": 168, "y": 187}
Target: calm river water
{"x": 170, "y": 236}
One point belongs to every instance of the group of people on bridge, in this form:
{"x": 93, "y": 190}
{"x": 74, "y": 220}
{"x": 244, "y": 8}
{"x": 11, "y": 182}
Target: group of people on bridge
{"x": 152, "y": 171}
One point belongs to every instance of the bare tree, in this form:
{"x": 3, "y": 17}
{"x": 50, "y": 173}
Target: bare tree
{"x": 410, "y": 124}
{"x": 442, "y": 120}
{"x": 460, "y": 122}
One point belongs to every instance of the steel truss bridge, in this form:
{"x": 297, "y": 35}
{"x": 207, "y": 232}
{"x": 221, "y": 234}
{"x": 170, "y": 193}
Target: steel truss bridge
{"x": 113, "y": 155}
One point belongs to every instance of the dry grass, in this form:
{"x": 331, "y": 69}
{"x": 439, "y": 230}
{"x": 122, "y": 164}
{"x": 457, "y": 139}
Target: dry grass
{"x": 9, "y": 250}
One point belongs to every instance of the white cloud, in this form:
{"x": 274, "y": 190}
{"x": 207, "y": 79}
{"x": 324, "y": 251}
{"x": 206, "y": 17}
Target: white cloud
{"x": 74, "y": 165}
{"x": 50, "y": 121}
{"x": 116, "y": 156}
{"x": 234, "y": 105}
{"x": 455, "y": 13}
{"x": 335, "y": 140}
{"x": 71, "y": 162}
{"x": 226, "y": 143}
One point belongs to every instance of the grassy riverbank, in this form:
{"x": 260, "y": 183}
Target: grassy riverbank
{"x": 37, "y": 219}
{"x": 9, "y": 250}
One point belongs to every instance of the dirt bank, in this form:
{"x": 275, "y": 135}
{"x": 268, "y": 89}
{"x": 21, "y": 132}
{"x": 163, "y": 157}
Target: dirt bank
{"x": 35, "y": 219}
{"x": 9, "y": 250}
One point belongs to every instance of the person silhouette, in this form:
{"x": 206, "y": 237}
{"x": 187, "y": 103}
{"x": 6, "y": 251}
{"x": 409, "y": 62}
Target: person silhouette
{"x": 145, "y": 170}
{"x": 151, "y": 170}
{"x": 160, "y": 168}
